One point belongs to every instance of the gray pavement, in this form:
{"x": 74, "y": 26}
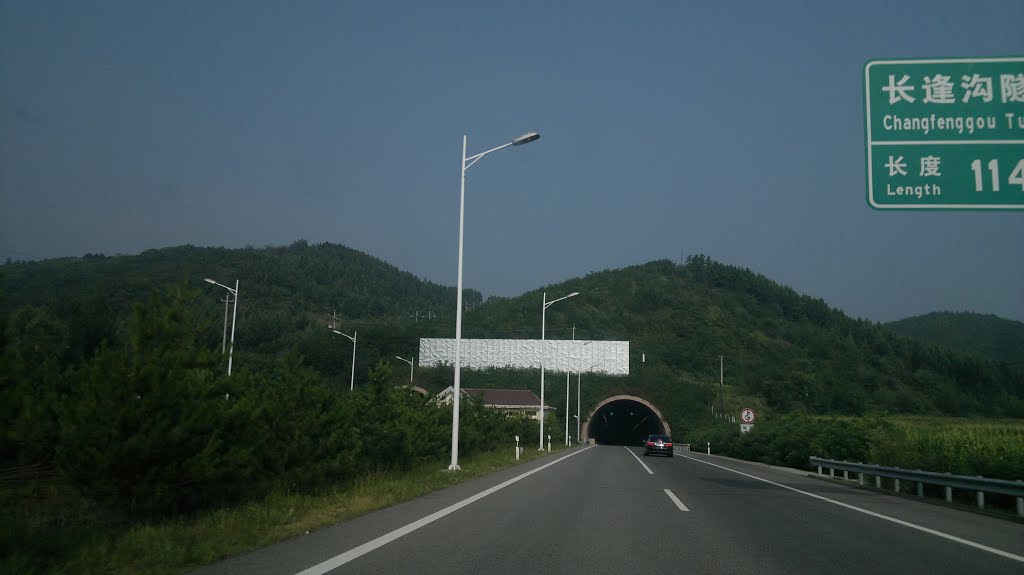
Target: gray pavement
{"x": 598, "y": 510}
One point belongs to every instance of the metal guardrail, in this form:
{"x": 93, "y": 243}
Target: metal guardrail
{"x": 979, "y": 485}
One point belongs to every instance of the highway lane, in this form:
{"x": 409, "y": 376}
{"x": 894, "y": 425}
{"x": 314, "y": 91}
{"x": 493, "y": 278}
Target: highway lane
{"x": 599, "y": 511}
{"x": 784, "y": 531}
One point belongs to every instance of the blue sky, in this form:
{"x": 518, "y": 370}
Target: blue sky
{"x": 733, "y": 129}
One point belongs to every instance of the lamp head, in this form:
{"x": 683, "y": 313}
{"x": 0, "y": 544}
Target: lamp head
{"x": 525, "y": 138}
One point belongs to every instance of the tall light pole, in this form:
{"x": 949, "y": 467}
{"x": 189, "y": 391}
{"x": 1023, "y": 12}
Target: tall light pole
{"x": 578, "y": 381}
{"x": 234, "y": 316}
{"x": 568, "y": 371}
{"x": 224, "y": 338}
{"x": 545, "y": 304}
{"x": 410, "y": 362}
{"x": 466, "y": 163}
{"x": 352, "y": 379}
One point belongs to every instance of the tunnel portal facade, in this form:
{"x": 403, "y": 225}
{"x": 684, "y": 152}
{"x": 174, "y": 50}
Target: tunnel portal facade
{"x": 624, "y": 420}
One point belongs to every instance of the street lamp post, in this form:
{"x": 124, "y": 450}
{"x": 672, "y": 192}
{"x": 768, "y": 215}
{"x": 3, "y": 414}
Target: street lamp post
{"x": 466, "y": 163}
{"x": 410, "y": 362}
{"x": 234, "y": 316}
{"x": 545, "y": 304}
{"x": 352, "y": 379}
{"x": 224, "y": 338}
{"x": 578, "y": 380}
{"x": 567, "y": 372}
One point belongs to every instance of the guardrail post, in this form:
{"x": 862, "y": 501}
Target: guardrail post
{"x": 878, "y": 482}
{"x": 896, "y": 487}
{"x": 1020, "y": 501}
{"x": 949, "y": 494}
{"x": 831, "y": 473}
{"x": 819, "y": 471}
{"x": 846, "y": 475}
{"x": 860, "y": 477}
{"x": 920, "y": 489}
{"x": 981, "y": 500}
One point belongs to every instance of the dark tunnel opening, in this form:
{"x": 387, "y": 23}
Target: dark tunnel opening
{"x": 624, "y": 422}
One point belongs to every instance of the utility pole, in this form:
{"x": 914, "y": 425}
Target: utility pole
{"x": 721, "y": 381}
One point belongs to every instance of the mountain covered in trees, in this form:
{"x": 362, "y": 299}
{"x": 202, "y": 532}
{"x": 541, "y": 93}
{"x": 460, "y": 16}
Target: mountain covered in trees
{"x": 781, "y": 350}
{"x": 114, "y": 392}
{"x": 284, "y": 293}
{"x": 986, "y": 335}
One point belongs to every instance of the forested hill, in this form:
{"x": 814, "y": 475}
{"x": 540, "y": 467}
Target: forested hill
{"x": 283, "y": 290}
{"x": 789, "y": 351}
{"x": 981, "y": 334}
{"x": 782, "y": 350}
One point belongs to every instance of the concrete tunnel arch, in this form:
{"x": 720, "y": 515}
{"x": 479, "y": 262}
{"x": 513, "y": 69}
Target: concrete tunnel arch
{"x": 624, "y": 420}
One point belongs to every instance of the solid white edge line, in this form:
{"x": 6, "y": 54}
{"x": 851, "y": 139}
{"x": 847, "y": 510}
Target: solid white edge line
{"x": 638, "y": 459}
{"x": 356, "y": 552}
{"x": 676, "y": 500}
{"x": 999, "y": 552}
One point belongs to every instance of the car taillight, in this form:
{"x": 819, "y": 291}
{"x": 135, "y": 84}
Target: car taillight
{"x": 668, "y": 445}
{"x": 650, "y": 443}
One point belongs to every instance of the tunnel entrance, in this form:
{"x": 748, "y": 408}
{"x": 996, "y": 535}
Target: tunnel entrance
{"x": 624, "y": 420}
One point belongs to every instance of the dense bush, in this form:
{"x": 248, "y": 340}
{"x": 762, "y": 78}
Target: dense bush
{"x": 790, "y": 440}
{"x": 156, "y": 428}
{"x": 965, "y": 447}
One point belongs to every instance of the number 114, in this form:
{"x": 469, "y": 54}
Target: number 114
{"x": 1016, "y": 176}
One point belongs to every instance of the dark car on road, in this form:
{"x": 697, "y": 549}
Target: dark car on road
{"x": 658, "y": 444}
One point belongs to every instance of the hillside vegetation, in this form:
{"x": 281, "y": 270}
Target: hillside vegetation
{"x": 782, "y": 351}
{"x": 980, "y": 334}
{"x": 113, "y": 386}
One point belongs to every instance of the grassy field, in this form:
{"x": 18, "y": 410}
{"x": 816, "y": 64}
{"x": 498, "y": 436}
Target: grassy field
{"x": 52, "y": 530}
{"x": 987, "y": 447}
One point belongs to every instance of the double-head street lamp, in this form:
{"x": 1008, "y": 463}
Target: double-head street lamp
{"x": 466, "y": 163}
{"x": 410, "y": 362}
{"x": 234, "y": 316}
{"x": 545, "y": 304}
{"x": 352, "y": 379}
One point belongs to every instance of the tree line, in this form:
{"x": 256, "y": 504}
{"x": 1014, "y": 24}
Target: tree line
{"x": 151, "y": 425}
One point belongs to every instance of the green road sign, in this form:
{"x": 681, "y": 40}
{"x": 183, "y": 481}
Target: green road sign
{"x": 945, "y": 134}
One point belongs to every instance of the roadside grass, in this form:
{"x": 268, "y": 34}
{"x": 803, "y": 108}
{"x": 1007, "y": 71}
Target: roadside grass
{"x": 95, "y": 545}
{"x": 989, "y": 447}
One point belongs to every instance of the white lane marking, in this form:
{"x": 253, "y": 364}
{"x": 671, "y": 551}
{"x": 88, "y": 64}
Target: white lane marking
{"x": 873, "y": 514}
{"x": 638, "y": 459}
{"x": 356, "y": 552}
{"x": 675, "y": 500}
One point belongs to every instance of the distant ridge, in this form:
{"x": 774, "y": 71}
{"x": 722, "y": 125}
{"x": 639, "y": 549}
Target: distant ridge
{"x": 987, "y": 335}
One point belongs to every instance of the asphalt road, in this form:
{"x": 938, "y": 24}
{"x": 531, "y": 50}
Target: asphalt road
{"x": 605, "y": 509}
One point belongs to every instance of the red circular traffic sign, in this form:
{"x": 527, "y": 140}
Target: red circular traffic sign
{"x": 748, "y": 415}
